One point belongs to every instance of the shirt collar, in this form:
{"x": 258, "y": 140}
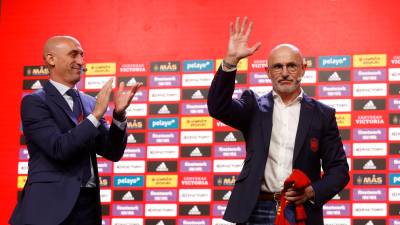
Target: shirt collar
{"x": 277, "y": 97}
{"x": 60, "y": 87}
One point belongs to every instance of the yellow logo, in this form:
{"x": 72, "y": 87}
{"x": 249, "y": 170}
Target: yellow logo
{"x": 101, "y": 68}
{"x": 200, "y": 122}
{"x": 343, "y": 120}
{"x": 369, "y": 60}
{"x": 21, "y": 181}
{"x": 161, "y": 180}
{"x": 241, "y": 66}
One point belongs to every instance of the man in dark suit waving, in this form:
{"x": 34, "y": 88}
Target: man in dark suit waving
{"x": 284, "y": 130}
{"x": 65, "y": 129}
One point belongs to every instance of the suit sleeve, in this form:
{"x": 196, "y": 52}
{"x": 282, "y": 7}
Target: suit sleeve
{"x": 334, "y": 164}
{"x": 111, "y": 141}
{"x": 221, "y": 106}
{"x": 40, "y": 129}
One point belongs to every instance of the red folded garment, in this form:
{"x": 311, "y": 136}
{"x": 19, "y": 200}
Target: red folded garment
{"x": 297, "y": 180}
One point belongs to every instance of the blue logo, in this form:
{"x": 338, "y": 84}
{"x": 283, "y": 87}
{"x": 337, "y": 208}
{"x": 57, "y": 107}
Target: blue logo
{"x": 198, "y": 65}
{"x": 394, "y": 179}
{"x": 163, "y": 123}
{"x": 339, "y": 61}
{"x": 128, "y": 181}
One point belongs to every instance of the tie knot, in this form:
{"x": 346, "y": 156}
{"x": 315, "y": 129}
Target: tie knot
{"x": 73, "y": 93}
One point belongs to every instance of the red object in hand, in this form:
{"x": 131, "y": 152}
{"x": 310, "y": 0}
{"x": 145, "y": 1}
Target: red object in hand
{"x": 299, "y": 181}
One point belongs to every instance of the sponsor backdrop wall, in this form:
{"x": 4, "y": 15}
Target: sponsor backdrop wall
{"x": 180, "y": 164}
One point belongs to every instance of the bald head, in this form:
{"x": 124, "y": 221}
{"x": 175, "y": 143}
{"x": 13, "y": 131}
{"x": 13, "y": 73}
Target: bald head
{"x": 286, "y": 49}
{"x": 54, "y": 43}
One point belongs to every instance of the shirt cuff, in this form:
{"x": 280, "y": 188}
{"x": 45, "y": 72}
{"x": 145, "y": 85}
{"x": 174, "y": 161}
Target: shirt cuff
{"x": 93, "y": 119}
{"x": 119, "y": 124}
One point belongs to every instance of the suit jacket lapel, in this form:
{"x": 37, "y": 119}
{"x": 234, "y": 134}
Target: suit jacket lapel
{"x": 305, "y": 119}
{"x": 267, "y": 106}
{"x": 85, "y": 105}
{"x": 58, "y": 99}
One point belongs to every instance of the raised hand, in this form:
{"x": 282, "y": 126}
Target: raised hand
{"x": 238, "y": 46}
{"x": 102, "y": 100}
{"x": 122, "y": 98}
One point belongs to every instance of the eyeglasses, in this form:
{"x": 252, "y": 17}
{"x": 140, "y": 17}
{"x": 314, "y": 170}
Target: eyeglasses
{"x": 291, "y": 68}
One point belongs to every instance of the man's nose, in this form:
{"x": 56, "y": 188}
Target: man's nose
{"x": 79, "y": 60}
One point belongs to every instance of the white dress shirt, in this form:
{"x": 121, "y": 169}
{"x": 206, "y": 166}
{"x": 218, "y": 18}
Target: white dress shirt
{"x": 285, "y": 119}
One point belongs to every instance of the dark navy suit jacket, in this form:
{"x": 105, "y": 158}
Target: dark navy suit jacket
{"x": 57, "y": 147}
{"x": 317, "y": 141}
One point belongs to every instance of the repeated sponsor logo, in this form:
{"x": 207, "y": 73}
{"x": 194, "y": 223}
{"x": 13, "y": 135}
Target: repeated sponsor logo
{"x": 310, "y": 62}
{"x": 194, "y": 108}
{"x": 194, "y": 94}
{"x": 195, "y": 166}
{"x": 127, "y": 209}
{"x": 105, "y": 209}
{"x": 132, "y": 80}
{"x": 369, "y": 209}
{"x": 394, "y": 148}
{"x": 259, "y": 64}
{"x": 105, "y": 181}
{"x": 222, "y": 151}
{"x": 23, "y": 168}
{"x": 162, "y": 166}
{"x": 394, "y": 103}
{"x": 366, "y": 120}
{"x": 23, "y": 153}
{"x": 340, "y": 61}
{"x": 194, "y": 221}
{"x": 196, "y": 137}
{"x": 200, "y": 122}
{"x": 310, "y": 77}
{"x": 197, "y": 79}
{"x": 369, "y": 221}
{"x": 369, "y": 179}
{"x": 394, "y": 221}
{"x": 163, "y": 123}
{"x": 133, "y": 152}
{"x": 394, "y": 133}
{"x": 98, "y": 82}
{"x": 194, "y": 210}
{"x": 126, "y": 221}
{"x": 128, "y": 181}
{"x": 104, "y": 166}
{"x": 344, "y": 134}
{"x": 222, "y": 195}
{"x": 164, "y": 109}
{"x": 259, "y": 78}
{"x": 195, "y": 151}
{"x": 135, "y": 124}
{"x": 198, "y": 65}
{"x": 163, "y": 137}
{"x": 394, "y": 74}
{"x": 21, "y": 180}
{"x": 261, "y": 90}
{"x": 369, "y": 74}
{"x": 337, "y": 221}
{"x": 165, "y": 80}
{"x": 370, "y": 104}
{"x": 105, "y": 195}
{"x": 394, "y": 209}
{"x": 161, "y": 210}
{"x": 165, "y": 94}
{"x": 228, "y": 165}
{"x": 309, "y": 90}
{"x": 241, "y": 66}
{"x": 224, "y": 180}
{"x": 334, "y": 75}
{"x": 138, "y": 109}
{"x": 160, "y": 222}
{"x": 241, "y": 78}
{"x": 162, "y": 152}
{"x": 394, "y": 89}
{"x": 140, "y": 96}
{"x": 341, "y": 105}
{"x": 394, "y": 164}
{"x": 36, "y": 71}
{"x": 100, "y": 68}
{"x": 165, "y": 66}
{"x": 369, "y": 60}
{"x": 394, "y": 194}
{"x": 370, "y": 149}
{"x": 129, "y": 166}
{"x": 394, "y": 179}
{"x": 370, "y": 89}
{"x": 194, "y": 195}
{"x": 161, "y": 181}
{"x": 343, "y": 120}
{"x": 369, "y": 194}
{"x": 219, "y": 209}
{"x": 220, "y": 221}
{"x": 195, "y": 181}
{"x": 369, "y": 134}
{"x": 394, "y": 118}
{"x": 343, "y": 195}
{"x": 33, "y": 84}
{"x": 160, "y": 195}
{"x": 228, "y": 136}
{"x": 128, "y": 195}
{"x": 334, "y": 90}
{"x": 336, "y": 209}
{"x": 369, "y": 164}
{"x": 132, "y": 68}
{"x": 135, "y": 138}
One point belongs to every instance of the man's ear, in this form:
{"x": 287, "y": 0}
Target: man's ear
{"x": 50, "y": 59}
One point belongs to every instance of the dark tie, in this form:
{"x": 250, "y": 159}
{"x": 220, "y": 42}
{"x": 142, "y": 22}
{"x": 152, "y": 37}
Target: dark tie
{"x": 78, "y": 113}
